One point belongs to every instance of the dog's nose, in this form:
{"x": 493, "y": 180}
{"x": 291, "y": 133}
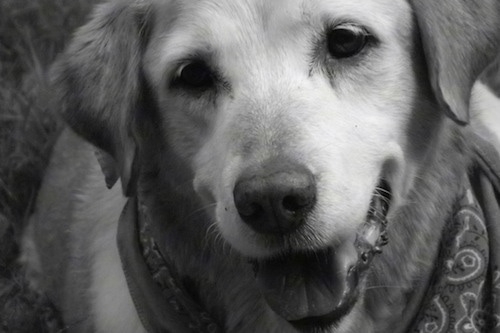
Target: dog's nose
{"x": 276, "y": 198}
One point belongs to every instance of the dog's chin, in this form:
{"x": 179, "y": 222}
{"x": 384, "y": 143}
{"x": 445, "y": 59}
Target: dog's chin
{"x": 315, "y": 290}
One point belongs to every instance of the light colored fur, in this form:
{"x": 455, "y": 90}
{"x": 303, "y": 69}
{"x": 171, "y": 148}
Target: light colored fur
{"x": 349, "y": 122}
{"x": 486, "y": 115}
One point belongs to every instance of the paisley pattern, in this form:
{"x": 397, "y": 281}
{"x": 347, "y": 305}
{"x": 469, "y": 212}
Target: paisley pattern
{"x": 466, "y": 283}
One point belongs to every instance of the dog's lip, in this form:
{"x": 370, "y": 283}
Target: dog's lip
{"x": 328, "y": 320}
{"x": 307, "y": 287}
{"x": 316, "y": 289}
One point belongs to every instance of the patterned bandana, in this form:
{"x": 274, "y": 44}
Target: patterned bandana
{"x": 464, "y": 294}
{"x": 466, "y": 284}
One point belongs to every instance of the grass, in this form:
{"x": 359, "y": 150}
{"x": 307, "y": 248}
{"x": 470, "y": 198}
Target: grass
{"x": 32, "y": 32}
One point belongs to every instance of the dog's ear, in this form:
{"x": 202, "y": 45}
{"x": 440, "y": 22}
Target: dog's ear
{"x": 460, "y": 38}
{"x": 98, "y": 81}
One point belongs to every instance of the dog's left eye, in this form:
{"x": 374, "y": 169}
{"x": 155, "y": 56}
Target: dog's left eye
{"x": 346, "y": 40}
{"x": 196, "y": 74}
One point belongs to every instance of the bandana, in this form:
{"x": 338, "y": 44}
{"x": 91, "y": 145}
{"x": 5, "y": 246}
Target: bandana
{"x": 464, "y": 293}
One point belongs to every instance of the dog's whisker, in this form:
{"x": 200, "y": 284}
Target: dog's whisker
{"x": 212, "y": 238}
{"x": 211, "y": 230}
{"x": 383, "y": 195}
{"x": 379, "y": 189}
{"x": 199, "y": 211}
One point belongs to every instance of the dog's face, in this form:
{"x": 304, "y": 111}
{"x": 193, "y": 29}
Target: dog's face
{"x": 293, "y": 117}
{"x": 320, "y": 92}
{"x": 291, "y": 114}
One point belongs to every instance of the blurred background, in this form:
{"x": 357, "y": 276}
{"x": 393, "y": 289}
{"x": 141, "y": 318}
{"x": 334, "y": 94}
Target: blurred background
{"x": 32, "y": 32}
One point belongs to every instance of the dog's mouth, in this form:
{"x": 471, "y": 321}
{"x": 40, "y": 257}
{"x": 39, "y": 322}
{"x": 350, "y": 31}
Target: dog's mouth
{"x": 316, "y": 289}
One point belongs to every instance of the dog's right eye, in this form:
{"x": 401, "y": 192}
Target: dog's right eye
{"x": 346, "y": 40}
{"x": 195, "y": 75}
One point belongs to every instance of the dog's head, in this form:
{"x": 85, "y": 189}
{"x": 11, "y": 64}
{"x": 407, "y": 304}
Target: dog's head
{"x": 293, "y": 117}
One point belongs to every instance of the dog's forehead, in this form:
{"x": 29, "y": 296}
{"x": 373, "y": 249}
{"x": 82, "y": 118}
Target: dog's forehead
{"x": 268, "y": 14}
{"x": 247, "y": 29}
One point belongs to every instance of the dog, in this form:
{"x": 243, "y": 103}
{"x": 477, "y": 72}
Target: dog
{"x": 267, "y": 152}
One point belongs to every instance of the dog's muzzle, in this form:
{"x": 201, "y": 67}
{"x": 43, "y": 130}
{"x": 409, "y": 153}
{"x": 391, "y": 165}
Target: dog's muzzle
{"x": 316, "y": 289}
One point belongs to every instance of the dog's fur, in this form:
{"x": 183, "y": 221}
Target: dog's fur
{"x": 384, "y": 113}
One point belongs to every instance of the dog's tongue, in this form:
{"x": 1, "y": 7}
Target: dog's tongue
{"x": 311, "y": 285}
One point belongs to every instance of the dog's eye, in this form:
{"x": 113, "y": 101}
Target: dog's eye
{"x": 195, "y": 75}
{"x": 346, "y": 41}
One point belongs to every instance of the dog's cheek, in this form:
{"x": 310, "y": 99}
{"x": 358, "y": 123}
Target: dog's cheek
{"x": 348, "y": 151}
{"x": 185, "y": 132}
{"x": 204, "y": 174}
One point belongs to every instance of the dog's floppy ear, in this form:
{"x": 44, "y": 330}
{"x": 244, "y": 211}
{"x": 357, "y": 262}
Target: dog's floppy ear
{"x": 98, "y": 82}
{"x": 460, "y": 38}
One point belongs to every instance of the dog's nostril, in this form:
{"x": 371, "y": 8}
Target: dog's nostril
{"x": 294, "y": 203}
{"x": 252, "y": 210}
{"x": 276, "y": 198}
